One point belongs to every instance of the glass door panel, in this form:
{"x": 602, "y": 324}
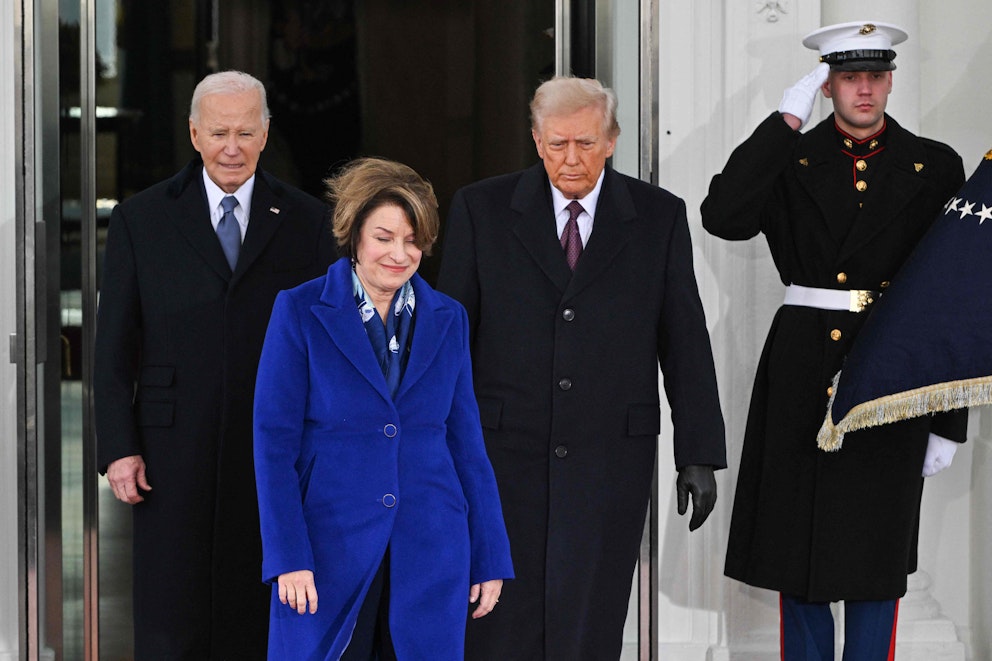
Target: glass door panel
{"x": 464, "y": 119}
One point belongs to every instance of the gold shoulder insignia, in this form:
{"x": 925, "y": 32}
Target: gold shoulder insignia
{"x": 988, "y": 155}
{"x": 805, "y": 161}
{"x": 918, "y": 166}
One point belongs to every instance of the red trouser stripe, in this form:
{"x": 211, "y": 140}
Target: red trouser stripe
{"x": 892, "y": 641}
{"x": 781, "y": 628}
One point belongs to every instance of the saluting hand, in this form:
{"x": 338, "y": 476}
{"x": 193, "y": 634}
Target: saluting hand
{"x": 798, "y": 100}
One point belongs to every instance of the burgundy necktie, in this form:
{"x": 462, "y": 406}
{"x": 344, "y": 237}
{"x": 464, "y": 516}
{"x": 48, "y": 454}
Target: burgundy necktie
{"x": 571, "y": 242}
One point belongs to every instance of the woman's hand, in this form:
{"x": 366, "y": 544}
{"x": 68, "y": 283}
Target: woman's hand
{"x": 296, "y": 588}
{"x": 489, "y": 596}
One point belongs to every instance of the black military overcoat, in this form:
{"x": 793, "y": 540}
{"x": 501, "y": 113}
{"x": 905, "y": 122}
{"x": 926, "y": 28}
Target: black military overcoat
{"x": 844, "y": 525}
{"x": 177, "y": 345}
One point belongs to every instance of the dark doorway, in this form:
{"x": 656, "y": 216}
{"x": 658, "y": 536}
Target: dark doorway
{"x": 442, "y": 85}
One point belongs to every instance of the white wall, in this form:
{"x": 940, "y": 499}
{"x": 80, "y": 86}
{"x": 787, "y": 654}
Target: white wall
{"x": 723, "y": 67}
{"x": 955, "y": 93}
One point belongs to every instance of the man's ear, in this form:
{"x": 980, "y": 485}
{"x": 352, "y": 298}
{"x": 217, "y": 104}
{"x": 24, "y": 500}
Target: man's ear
{"x": 194, "y": 135}
{"x": 538, "y": 143}
{"x": 825, "y": 88}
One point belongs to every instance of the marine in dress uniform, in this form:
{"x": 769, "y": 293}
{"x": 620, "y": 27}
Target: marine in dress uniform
{"x": 841, "y": 207}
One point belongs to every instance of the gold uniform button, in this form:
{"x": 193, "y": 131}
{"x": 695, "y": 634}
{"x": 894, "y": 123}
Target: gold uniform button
{"x": 861, "y": 165}
{"x": 830, "y": 391}
{"x": 835, "y": 335}
{"x": 861, "y": 186}
{"x": 841, "y": 277}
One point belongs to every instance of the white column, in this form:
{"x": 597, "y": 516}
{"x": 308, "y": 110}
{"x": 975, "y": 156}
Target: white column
{"x": 981, "y": 526}
{"x": 924, "y": 633}
{"x": 722, "y": 69}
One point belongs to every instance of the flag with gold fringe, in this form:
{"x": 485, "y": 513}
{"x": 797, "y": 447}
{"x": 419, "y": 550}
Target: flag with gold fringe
{"x": 927, "y": 345}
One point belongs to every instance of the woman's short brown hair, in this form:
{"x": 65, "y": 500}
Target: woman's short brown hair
{"x": 364, "y": 185}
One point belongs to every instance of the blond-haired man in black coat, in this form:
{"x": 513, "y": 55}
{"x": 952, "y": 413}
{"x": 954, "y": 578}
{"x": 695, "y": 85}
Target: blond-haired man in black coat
{"x": 572, "y": 309}
{"x": 192, "y": 267}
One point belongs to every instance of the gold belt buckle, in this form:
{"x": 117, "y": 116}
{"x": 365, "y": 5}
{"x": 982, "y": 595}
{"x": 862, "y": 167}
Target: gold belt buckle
{"x": 861, "y": 299}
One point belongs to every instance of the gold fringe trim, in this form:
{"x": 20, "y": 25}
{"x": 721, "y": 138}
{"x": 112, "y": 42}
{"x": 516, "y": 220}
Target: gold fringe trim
{"x": 902, "y": 406}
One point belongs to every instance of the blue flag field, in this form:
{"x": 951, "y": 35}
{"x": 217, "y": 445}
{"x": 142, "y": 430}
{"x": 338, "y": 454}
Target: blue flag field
{"x": 927, "y": 345}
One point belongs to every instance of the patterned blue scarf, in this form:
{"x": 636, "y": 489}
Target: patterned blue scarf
{"x": 390, "y": 340}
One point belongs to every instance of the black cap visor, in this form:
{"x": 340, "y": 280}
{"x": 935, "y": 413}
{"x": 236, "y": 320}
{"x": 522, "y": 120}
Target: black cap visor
{"x": 860, "y": 60}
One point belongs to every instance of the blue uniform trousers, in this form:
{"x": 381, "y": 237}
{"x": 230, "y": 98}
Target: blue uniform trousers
{"x": 808, "y": 630}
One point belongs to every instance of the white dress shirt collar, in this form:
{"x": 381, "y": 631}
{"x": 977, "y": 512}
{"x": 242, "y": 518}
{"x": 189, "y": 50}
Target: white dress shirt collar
{"x": 214, "y": 195}
{"x": 585, "y": 220}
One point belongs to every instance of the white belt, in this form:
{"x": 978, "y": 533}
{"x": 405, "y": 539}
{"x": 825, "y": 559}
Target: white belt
{"x": 851, "y": 300}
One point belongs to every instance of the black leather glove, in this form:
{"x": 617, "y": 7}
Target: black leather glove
{"x": 700, "y": 482}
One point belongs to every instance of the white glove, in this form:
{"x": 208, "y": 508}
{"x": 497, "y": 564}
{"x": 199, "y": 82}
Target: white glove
{"x": 940, "y": 453}
{"x": 798, "y": 100}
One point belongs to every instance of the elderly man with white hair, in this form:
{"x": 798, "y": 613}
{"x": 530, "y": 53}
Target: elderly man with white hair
{"x": 192, "y": 267}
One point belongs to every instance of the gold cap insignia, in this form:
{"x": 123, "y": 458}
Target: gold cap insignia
{"x": 918, "y": 166}
{"x": 867, "y": 28}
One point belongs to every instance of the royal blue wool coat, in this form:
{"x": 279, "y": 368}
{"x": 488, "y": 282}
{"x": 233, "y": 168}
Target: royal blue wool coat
{"x": 344, "y": 471}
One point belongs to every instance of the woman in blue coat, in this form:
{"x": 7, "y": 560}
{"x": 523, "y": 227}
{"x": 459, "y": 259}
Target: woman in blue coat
{"x": 379, "y": 510}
